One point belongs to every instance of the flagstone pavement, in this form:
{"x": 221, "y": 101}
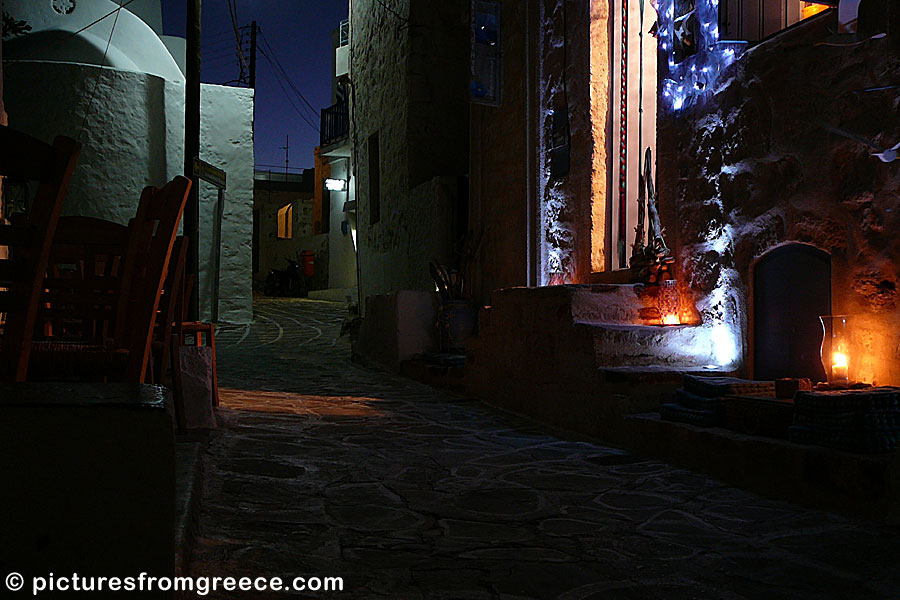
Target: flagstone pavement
{"x": 323, "y": 468}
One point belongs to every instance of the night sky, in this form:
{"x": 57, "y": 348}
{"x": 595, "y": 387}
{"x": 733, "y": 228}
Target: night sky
{"x": 299, "y": 35}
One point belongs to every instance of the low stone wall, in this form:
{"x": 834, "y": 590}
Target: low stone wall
{"x": 397, "y": 327}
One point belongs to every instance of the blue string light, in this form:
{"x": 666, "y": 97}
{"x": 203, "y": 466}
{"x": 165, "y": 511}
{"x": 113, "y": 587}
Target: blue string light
{"x": 690, "y": 80}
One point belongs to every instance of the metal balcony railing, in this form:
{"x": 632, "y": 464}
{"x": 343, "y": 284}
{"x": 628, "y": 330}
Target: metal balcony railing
{"x": 335, "y": 123}
{"x": 344, "y": 36}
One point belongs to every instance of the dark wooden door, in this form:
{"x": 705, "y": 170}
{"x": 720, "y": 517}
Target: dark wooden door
{"x": 791, "y": 288}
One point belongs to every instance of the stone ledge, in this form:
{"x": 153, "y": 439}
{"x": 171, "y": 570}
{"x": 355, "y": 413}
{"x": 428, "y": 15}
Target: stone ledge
{"x": 656, "y": 374}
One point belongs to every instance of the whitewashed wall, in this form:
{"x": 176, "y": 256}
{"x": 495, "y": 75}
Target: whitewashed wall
{"x": 226, "y": 121}
{"x": 133, "y": 136}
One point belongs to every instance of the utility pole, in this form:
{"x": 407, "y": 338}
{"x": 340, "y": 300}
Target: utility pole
{"x": 253, "y": 55}
{"x": 192, "y": 148}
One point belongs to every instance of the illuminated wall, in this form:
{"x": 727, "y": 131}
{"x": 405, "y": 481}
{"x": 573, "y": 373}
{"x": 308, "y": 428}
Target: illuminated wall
{"x": 746, "y": 164}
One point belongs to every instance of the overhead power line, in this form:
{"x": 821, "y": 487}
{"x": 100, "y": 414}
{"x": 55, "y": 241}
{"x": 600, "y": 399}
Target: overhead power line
{"x": 232, "y": 11}
{"x": 112, "y": 31}
{"x": 69, "y": 36}
{"x": 288, "y": 96}
{"x": 284, "y": 73}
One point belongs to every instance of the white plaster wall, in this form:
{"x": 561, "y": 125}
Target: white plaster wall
{"x": 134, "y": 45}
{"x": 226, "y": 133}
{"x": 133, "y": 136}
{"x": 133, "y": 132}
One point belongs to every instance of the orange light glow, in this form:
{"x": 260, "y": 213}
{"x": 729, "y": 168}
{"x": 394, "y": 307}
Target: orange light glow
{"x": 671, "y": 320}
{"x": 808, "y": 9}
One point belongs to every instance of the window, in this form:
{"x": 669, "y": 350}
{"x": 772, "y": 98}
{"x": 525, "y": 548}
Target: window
{"x": 754, "y": 20}
{"x": 374, "y": 180}
{"x": 285, "y": 222}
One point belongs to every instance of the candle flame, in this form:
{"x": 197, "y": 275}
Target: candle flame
{"x": 839, "y": 359}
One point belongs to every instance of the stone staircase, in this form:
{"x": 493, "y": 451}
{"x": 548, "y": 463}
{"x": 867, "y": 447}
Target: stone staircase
{"x": 582, "y": 356}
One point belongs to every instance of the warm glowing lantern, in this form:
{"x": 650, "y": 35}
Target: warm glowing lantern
{"x": 836, "y": 347}
{"x": 669, "y": 302}
{"x": 808, "y": 9}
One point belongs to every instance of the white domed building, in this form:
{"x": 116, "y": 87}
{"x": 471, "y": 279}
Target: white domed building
{"x": 126, "y": 105}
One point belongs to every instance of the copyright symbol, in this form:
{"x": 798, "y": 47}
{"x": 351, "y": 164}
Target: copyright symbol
{"x": 14, "y": 582}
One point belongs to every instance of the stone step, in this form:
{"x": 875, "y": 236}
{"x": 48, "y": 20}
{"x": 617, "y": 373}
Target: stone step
{"x": 823, "y": 478}
{"x": 624, "y": 304}
{"x": 670, "y": 346}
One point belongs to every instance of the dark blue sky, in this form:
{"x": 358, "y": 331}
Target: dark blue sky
{"x": 299, "y": 34}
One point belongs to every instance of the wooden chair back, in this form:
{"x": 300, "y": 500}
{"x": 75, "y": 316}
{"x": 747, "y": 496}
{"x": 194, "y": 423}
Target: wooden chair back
{"x": 102, "y": 292}
{"x": 165, "y": 316}
{"x": 29, "y": 239}
{"x": 154, "y": 230}
{"x": 84, "y": 284}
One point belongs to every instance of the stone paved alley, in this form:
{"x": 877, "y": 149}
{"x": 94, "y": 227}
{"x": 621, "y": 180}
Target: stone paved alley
{"x": 324, "y": 468}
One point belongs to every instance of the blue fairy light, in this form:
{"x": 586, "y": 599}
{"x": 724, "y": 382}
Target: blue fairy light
{"x": 690, "y": 79}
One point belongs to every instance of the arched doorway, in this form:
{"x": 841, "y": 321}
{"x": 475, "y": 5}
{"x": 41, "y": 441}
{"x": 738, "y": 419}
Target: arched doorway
{"x": 791, "y": 288}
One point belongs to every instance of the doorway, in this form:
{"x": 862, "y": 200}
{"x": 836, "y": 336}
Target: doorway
{"x": 791, "y": 288}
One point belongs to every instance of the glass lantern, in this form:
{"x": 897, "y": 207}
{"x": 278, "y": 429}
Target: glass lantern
{"x": 837, "y": 357}
{"x": 669, "y": 302}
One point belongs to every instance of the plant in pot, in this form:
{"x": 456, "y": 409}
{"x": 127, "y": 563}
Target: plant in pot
{"x": 456, "y": 315}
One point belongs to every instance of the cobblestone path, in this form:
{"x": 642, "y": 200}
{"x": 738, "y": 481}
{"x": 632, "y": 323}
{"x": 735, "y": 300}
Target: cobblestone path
{"x": 326, "y": 469}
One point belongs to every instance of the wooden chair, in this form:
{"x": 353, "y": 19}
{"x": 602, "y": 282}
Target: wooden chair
{"x": 198, "y": 331}
{"x": 75, "y": 337}
{"x": 97, "y": 323}
{"x": 28, "y": 240}
{"x": 164, "y": 351}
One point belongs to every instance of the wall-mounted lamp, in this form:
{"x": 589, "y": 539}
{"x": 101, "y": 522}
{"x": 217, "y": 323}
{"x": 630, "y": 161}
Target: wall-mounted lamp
{"x": 336, "y": 185}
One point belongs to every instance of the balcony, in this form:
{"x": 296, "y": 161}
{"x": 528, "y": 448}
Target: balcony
{"x": 335, "y": 123}
{"x": 342, "y": 51}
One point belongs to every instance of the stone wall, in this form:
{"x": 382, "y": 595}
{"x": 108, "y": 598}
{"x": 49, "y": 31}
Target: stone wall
{"x": 499, "y": 181}
{"x": 406, "y": 89}
{"x": 565, "y": 85}
{"x": 754, "y": 166}
{"x": 529, "y": 228}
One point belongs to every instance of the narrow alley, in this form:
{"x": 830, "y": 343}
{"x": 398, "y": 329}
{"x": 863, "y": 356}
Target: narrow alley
{"x": 323, "y": 468}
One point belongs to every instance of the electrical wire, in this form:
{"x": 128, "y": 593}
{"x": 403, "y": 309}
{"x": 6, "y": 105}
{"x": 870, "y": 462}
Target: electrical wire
{"x": 232, "y": 11}
{"x": 114, "y": 11}
{"x": 287, "y": 78}
{"x": 278, "y": 67}
{"x": 396, "y": 14}
{"x": 288, "y": 95}
{"x": 100, "y": 69}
